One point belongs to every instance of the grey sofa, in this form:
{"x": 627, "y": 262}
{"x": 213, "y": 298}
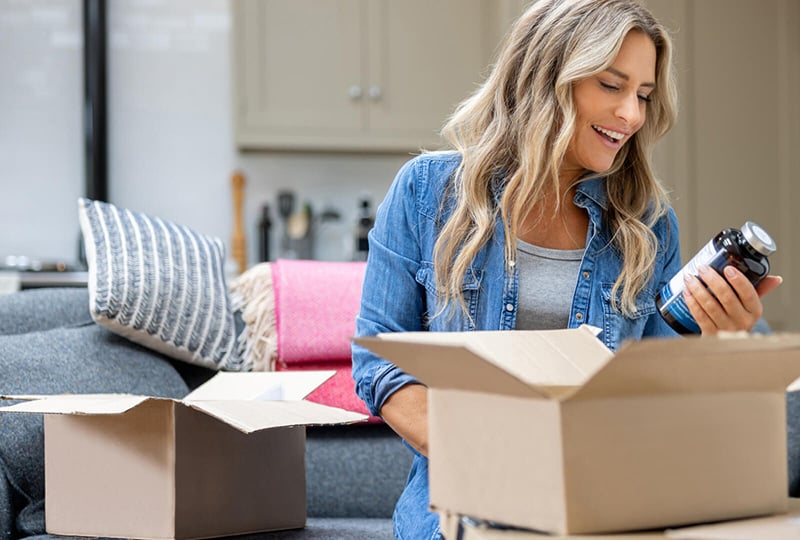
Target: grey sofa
{"x": 49, "y": 344}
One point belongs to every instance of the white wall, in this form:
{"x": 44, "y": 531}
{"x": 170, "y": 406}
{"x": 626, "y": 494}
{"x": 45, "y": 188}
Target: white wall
{"x": 171, "y": 133}
{"x": 41, "y": 149}
{"x": 171, "y": 150}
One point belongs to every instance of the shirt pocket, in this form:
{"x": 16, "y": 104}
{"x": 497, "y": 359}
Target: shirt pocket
{"x": 618, "y": 327}
{"x": 453, "y": 319}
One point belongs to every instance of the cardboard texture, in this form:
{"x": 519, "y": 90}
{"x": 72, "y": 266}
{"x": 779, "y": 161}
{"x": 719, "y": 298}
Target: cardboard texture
{"x": 779, "y": 527}
{"x": 551, "y": 431}
{"x": 222, "y": 461}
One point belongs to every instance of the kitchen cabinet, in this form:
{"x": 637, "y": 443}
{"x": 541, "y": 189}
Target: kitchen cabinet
{"x": 355, "y": 75}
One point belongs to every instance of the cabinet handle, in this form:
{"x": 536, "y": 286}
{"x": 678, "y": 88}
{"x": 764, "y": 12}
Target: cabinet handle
{"x": 375, "y": 92}
{"x": 355, "y": 92}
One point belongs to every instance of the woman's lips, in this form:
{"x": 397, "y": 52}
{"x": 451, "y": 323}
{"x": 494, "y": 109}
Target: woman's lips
{"x": 612, "y": 139}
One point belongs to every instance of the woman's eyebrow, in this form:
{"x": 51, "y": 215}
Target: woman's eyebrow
{"x": 622, "y": 75}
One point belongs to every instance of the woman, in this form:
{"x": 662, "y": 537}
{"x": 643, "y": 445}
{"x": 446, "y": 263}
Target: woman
{"x": 545, "y": 214}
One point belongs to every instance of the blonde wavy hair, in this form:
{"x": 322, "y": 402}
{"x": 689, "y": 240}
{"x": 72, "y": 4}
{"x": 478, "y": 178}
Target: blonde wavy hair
{"x": 517, "y": 126}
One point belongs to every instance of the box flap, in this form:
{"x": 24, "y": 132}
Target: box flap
{"x": 729, "y": 362}
{"x": 250, "y": 416}
{"x": 77, "y": 403}
{"x": 548, "y": 363}
{"x": 263, "y": 385}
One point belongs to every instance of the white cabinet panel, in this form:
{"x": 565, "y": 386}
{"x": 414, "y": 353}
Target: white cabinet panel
{"x": 355, "y": 74}
{"x": 296, "y": 62}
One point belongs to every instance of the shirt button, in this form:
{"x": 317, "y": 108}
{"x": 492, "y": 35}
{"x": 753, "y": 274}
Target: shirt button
{"x": 579, "y": 316}
{"x": 512, "y": 264}
{"x": 509, "y": 307}
{"x": 585, "y": 274}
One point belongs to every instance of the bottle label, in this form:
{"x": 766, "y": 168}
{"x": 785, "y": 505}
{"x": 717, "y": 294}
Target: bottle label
{"x": 672, "y": 293}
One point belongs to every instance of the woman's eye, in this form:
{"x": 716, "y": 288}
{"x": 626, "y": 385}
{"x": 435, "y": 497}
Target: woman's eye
{"x": 609, "y": 86}
{"x": 646, "y": 99}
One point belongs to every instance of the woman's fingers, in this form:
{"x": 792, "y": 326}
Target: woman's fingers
{"x": 703, "y": 320}
{"x": 767, "y": 284}
{"x": 729, "y": 303}
{"x": 741, "y": 301}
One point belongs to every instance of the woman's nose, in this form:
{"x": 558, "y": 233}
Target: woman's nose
{"x": 630, "y": 110}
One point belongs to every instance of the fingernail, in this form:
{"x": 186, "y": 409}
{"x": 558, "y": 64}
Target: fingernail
{"x": 730, "y": 272}
{"x": 705, "y": 269}
{"x": 687, "y": 278}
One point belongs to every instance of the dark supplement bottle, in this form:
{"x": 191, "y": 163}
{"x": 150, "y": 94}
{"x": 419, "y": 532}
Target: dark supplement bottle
{"x": 746, "y": 250}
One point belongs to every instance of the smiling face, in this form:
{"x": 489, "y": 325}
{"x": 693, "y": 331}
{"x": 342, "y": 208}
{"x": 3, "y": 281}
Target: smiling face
{"x": 611, "y": 106}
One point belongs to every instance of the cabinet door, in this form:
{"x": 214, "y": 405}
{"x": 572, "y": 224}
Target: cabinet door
{"x": 364, "y": 75}
{"x": 425, "y": 57}
{"x": 296, "y": 63}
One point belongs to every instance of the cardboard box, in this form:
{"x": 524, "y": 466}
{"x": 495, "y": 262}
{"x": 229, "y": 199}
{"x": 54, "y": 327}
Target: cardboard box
{"x": 219, "y": 462}
{"x": 779, "y": 527}
{"x": 551, "y": 431}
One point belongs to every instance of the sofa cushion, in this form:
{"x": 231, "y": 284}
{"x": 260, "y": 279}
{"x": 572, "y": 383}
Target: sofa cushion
{"x": 355, "y": 471}
{"x": 34, "y": 310}
{"x": 315, "y": 529}
{"x": 333, "y": 529}
{"x": 159, "y": 284}
{"x": 78, "y": 359}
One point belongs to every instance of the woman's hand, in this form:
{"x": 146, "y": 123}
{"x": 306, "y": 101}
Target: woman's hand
{"x": 731, "y": 303}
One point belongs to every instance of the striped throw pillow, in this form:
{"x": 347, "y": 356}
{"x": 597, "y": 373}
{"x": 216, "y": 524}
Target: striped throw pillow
{"x": 159, "y": 284}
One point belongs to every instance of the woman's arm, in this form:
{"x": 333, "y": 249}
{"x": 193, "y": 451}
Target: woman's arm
{"x": 394, "y": 297}
{"x": 392, "y": 301}
{"x": 406, "y": 412}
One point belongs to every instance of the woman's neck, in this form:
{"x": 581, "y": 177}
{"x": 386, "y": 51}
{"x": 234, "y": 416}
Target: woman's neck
{"x": 555, "y": 225}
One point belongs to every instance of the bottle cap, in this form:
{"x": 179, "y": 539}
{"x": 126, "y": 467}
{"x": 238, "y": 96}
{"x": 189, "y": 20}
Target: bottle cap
{"x": 758, "y": 238}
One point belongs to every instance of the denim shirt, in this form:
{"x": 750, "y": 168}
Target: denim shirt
{"x": 399, "y": 293}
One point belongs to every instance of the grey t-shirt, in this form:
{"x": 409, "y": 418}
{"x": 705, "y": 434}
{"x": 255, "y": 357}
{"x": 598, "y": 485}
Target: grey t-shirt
{"x": 547, "y": 280}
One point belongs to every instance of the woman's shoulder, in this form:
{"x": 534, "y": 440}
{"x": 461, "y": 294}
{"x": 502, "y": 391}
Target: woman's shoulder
{"x": 666, "y": 231}
{"x": 437, "y": 164}
{"x": 439, "y": 156}
{"x": 428, "y": 174}
{"x": 667, "y": 220}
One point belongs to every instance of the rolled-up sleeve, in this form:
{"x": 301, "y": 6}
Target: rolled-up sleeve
{"x": 391, "y": 300}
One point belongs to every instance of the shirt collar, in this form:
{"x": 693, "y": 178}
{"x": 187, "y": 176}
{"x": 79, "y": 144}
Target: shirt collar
{"x": 593, "y": 189}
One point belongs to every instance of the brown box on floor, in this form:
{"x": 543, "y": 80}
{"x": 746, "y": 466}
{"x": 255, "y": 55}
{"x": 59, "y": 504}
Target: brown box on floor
{"x": 227, "y": 459}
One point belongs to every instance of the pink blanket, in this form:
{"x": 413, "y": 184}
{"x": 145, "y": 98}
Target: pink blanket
{"x": 338, "y": 391}
{"x": 316, "y": 304}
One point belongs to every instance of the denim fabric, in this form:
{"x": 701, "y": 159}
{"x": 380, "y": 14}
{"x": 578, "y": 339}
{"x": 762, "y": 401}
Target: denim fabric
{"x": 399, "y": 291}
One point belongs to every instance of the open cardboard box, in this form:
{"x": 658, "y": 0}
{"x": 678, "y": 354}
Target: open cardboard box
{"x": 227, "y": 459}
{"x": 549, "y": 430}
